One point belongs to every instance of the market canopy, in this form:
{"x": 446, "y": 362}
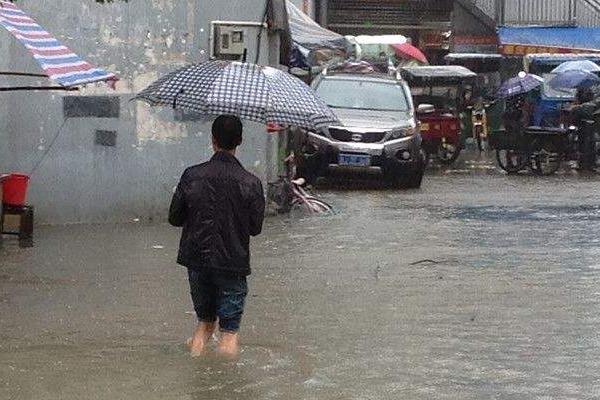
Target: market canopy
{"x": 519, "y": 41}
{"x": 57, "y": 61}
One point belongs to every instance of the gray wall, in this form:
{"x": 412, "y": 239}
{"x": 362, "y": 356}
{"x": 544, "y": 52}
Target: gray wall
{"x": 4, "y": 45}
{"x": 83, "y": 182}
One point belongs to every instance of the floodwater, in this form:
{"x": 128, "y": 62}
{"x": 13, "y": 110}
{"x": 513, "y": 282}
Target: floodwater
{"x": 478, "y": 286}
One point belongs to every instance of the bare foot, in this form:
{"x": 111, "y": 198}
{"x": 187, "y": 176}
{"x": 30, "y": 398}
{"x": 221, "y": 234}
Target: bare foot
{"x": 198, "y": 342}
{"x": 229, "y": 345}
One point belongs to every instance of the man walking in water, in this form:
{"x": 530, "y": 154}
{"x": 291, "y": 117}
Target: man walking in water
{"x": 219, "y": 205}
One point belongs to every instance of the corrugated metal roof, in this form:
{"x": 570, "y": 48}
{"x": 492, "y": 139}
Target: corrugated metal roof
{"x": 539, "y": 12}
{"x": 588, "y": 13}
{"x": 389, "y": 13}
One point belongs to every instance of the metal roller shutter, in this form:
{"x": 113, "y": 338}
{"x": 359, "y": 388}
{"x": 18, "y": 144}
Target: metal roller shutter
{"x": 415, "y": 14}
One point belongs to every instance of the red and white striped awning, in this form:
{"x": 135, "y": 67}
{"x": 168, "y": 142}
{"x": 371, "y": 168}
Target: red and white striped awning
{"x": 57, "y": 60}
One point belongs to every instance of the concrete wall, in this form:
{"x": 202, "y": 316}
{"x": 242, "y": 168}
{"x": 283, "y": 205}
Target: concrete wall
{"x": 81, "y": 181}
{"x": 4, "y": 45}
{"x": 473, "y": 30}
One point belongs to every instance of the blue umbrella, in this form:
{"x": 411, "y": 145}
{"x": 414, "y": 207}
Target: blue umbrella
{"x": 523, "y": 83}
{"x": 574, "y": 79}
{"x": 581, "y": 65}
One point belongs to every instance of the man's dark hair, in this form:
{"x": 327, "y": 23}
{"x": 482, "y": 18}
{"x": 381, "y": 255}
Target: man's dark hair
{"x": 227, "y": 132}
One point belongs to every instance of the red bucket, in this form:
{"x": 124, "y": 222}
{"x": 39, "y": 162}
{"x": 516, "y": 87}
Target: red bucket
{"x": 14, "y": 188}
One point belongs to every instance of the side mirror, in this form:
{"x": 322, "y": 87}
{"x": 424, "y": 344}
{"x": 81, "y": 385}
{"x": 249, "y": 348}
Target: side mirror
{"x": 425, "y": 108}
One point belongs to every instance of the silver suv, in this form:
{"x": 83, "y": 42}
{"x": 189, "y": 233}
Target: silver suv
{"x": 379, "y": 131}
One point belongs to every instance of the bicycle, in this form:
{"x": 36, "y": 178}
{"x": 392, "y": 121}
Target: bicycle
{"x": 291, "y": 194}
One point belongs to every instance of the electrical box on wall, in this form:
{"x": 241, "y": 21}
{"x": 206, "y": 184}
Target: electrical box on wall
{"x": 234, "y": 40}
{"x": 230, "y": 42}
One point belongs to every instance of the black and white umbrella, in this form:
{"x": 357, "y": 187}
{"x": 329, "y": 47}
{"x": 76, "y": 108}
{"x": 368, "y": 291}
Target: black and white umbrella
{"x": 250, "y": 91}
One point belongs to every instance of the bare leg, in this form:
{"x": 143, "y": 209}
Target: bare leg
{"x": 198, "y": 342}
{"x": 229, "y": 345}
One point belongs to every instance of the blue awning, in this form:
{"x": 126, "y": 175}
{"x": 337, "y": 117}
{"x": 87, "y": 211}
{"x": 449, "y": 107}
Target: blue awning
{"x": 565, "y": 39}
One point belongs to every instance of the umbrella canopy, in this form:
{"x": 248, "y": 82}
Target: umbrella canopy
{"x": 249, "y": 91}
{"x": 523, "y": 83}
{"x": 574, "y": 79}
{"x": 580, "y": 65}
{"x": 407, "y": 50}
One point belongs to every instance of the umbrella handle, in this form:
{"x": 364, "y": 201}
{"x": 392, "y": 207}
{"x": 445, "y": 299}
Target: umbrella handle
{"x": 181, "y": 91}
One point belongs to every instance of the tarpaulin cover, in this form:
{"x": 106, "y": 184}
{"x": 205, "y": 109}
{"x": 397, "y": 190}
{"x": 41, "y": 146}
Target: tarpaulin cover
{"x": 57, "y": 60}
{"x": 310, "y": 39}
{"x": 559, "y": 37}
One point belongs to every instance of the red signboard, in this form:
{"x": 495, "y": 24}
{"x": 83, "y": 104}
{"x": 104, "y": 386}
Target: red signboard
{"x": 474, "y": 40}
{"x": 433, "y": 39}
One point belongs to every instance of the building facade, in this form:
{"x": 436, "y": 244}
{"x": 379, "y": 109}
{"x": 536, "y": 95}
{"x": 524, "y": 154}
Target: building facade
{"x": 427, "y": 22}
{"x": 112, "y": 159}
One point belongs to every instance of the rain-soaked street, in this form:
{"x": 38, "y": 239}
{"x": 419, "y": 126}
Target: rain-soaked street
{"x": 478, "y": 286}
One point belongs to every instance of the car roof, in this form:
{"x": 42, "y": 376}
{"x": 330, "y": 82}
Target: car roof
{"x": 372, "y": 77}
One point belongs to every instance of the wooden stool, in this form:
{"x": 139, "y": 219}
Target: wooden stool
{"x": 25, "y": 232}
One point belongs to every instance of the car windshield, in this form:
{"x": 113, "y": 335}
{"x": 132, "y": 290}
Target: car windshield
{"x": 363, "y": 95}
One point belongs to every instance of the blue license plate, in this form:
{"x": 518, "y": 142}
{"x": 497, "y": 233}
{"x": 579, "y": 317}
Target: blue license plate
{"x": 354, "y": 160}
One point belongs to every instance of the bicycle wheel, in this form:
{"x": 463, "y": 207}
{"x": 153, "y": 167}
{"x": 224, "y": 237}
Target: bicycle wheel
{"x": 321, "y": 207}
{"x": 546, "y": 159}
{"x": 311, "y": 206}
{"x": 512, "y": 161}
{"x": 448, "y": 153}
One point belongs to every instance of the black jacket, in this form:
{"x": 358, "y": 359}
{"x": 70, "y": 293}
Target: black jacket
{"x": 219, "y": 205}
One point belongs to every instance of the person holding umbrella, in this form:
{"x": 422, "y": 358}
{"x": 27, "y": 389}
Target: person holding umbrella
{"x": 219, "y": 204}
{"x": 517, "y": 93}
{"x": 584, "y": 109}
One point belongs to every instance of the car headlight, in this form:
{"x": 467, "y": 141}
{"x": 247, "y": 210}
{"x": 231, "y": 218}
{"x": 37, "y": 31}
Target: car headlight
{"x": 402, "y": 133}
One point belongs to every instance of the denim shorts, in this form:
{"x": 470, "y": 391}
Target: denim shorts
{"x": 217, "y": 295}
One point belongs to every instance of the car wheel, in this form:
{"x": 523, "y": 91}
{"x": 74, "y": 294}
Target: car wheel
{"x": 412, "y": 180}
{"x": 426, "y": 158}
{"x": 405, "y": 180}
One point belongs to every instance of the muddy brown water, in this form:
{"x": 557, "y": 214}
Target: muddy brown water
{"x": 477, "y": 286}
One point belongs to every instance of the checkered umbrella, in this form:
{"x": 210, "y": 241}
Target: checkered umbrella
{"x": 250, "y": 91}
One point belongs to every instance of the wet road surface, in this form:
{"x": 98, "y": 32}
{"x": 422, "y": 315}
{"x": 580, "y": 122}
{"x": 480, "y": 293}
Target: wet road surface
{"x": 478, "y": 286}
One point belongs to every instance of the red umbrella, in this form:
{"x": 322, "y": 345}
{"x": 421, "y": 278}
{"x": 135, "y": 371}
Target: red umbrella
{"x": 408, "y": 50}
